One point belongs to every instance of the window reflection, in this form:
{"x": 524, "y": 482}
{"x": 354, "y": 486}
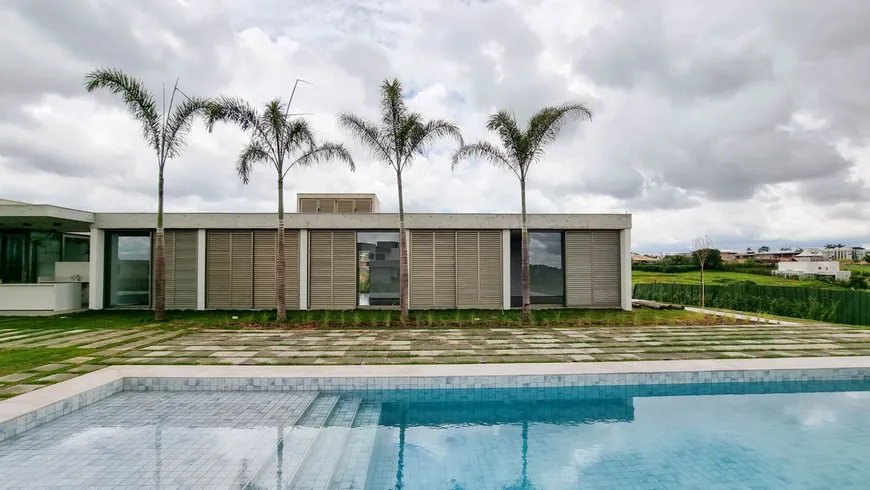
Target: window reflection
{"x": 378, "y": 281}
{"x": 129, "y": 274}
{"x": 546, "y": 268}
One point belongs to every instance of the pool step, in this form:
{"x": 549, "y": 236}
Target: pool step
{"x": 353, "y": 464}
{"x": 288, "y": 456}
{"x": 322, "y": 458}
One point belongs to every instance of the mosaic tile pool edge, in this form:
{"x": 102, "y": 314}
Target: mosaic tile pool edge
{"x": 46, "y": 414}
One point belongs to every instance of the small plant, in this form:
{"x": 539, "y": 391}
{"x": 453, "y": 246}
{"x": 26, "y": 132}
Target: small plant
{"x": 388, "y": 316}
{"x": 430, "y": 318}
{"x": 356, "y": 318}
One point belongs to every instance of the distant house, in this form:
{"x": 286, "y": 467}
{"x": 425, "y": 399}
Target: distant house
{"x": 814, "y": 255}
{"x": 825, "y": 268}
{"x": 772, "y": 256}
{"x": 729, "y": 256}
{"x": 847, "y": 253}
{"x": 644, "y": 258}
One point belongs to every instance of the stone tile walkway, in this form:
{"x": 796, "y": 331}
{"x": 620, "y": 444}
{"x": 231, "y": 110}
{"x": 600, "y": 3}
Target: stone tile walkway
{"x": 146, "y": 345}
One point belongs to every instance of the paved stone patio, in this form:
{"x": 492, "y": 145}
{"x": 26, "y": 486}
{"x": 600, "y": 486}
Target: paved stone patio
{"x": 148, "y": 345}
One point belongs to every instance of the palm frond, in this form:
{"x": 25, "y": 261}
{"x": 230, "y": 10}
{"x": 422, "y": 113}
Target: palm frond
{"x": 276, "y": 122}
{"x": 393, "y": 108}
{"x": 545, "y": 126}
{"x": 297, "y": 136}
{"x": 483, "y": 150}
{"x": 237, "y": 111}
{"x": 370, "y": 136}
{"x": 504, "y": 124}
{"x": 422, "y": 136}
{"x": 252, "y": 154}
{"x": 137, "y": 98}
{"x": 324, "y": 152}
{"x": 179, "y": 123}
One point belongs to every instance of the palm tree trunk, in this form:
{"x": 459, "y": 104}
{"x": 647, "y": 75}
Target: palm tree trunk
{"x": 702, "y": 284}
{"x": 525, "y": 271}
{"x": 281, "y": 260}
{"x": 160, "y": 258}
{"x": 403, "y": 255}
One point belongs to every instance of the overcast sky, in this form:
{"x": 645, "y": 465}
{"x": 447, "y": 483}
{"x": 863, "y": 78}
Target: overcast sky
{"x": 744, "y": 120}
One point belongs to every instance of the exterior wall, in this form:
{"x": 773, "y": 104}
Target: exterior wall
{"x": 827, "y": 268}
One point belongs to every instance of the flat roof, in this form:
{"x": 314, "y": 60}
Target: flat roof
{"x": 363, "y": 221}
{"x": 41, "y": 217}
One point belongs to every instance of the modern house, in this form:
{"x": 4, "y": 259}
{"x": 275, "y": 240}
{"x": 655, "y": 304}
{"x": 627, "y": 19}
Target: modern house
{"x": 824, "y": 268}
{"x": 227, "y": 260}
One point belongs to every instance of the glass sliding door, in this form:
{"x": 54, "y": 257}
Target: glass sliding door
{"x": 128, "y": 271}
{"x": 546, "y": 268}
{"x": 13, "y": 251}
{"x": 378, "y": 268}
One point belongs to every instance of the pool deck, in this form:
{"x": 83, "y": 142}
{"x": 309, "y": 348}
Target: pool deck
{"x": 37, "y": 407}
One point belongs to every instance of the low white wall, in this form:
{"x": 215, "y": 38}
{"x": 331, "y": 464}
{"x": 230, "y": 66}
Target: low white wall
{"x": 41, "y": 297}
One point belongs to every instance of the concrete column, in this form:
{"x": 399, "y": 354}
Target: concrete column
{"x": 303, "y": 269}
{"x": 506, "y": 269}
{"x": 96, "y": 272}
{"x": 200, "y": 269}
{"x": 625, "y": 267}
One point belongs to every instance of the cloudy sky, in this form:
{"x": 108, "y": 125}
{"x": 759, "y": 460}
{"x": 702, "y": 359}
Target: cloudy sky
{"x": 747, "y": 121}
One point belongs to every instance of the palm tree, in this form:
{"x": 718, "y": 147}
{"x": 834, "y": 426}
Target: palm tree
{"x": 520, "y": 149}
{"x": 164, "y": 131}
{"x": 395, "y": 140}
{"x": 282, "y": 141}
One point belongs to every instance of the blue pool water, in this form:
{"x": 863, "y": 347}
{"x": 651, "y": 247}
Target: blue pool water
{"x": 740, "y": 436}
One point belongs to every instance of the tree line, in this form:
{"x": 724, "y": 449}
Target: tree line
{"x": 283, "y": 141}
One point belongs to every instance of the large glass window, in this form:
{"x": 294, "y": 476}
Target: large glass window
{"x": 76, "y": 248}
{"x": 129, "y": 269}
{"x": 378, "y": 268}
{"x": 546, "y": 268}
{"x": 13, "y": 250}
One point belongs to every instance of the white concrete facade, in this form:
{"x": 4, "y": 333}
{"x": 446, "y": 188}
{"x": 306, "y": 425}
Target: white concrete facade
{"x": 97, "y": 268}
{"x": 829, "y": 268}
{"x": 625, "y": 268}
{"x": 506, "y": 269}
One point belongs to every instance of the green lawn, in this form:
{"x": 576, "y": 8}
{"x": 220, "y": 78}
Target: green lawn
{"x": 719, "y": 278}
{"x": 355, "y": 319}
{"x": 20, "y": 360}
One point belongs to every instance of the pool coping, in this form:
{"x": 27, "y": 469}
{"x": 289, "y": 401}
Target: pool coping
{"x": 29, "y": 410}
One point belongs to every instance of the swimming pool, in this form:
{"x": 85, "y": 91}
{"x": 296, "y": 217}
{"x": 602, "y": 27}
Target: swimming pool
{"x": 800, "y": 434}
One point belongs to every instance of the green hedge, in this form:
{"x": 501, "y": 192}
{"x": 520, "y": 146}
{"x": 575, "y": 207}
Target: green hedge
{"x": 757, "y": 269}
{"x": 668, "y": 268}
{"x": 828, "y": 305}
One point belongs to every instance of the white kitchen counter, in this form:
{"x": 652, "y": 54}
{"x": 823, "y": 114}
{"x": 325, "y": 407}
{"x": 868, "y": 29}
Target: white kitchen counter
{"x": 41, "y": 297}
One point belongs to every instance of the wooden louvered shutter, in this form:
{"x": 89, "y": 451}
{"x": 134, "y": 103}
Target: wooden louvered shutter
{"x": 467, "y": 269}
{"x": 490, "y": 269}
{"x": 444, "y": 269}
{"x": 265, "y": 247}
{"x": 241, "y": 270}
{"x": 218, "y": 269}
{"x": 605, "y": 268}
{"x": 344, "y": 206}
{"x": 362, "y": 206}
{"x": 169, "y": 263}
{"x": 422, "y": 270}
{"x": 291, "y": 278}
{"x": 308, "y": 205}
{"x": 344, "y": 290}
{"x": 183, "y": 271}
{"x": 326, "y": 206}
{"x": 578, "y": 268}
{"x": 320, "y": 269}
